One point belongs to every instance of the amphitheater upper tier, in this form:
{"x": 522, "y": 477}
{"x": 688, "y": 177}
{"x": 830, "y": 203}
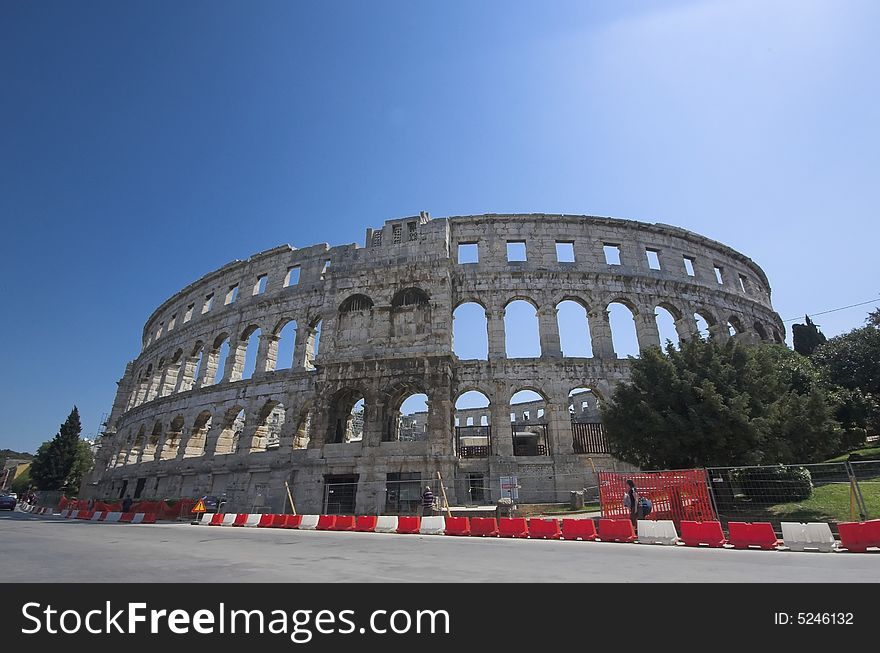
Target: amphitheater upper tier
{"x": 210, "y": 407}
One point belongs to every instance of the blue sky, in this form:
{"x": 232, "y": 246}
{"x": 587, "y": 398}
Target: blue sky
{"x": 143, "y": 144}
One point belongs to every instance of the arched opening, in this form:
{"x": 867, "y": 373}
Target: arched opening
{"x": 410, "y": 297}
{"x": 137, "y": 449}
{"x": 734, "y": 326}
{"x": 761, "y": 331}
{"x": 411, "y": 419}
{"x": 303, "y": 432}
{"x": 195, "y": 445}
{"x": 250, "y": 353}
{"x": 588, "y": 434}
{"x": 624, "y": 337}
{"x": 666, "y": 327}
{"x": 472, "y": 441}
{"x": 521, "y": 330}
{"x": 410, "y": 313}
{"x": 152, "y": 447}
{"x": 191, "y": 368}
{"x": 703, "y": 323}
{"x": 169, "y": 381}
{"x": 470, "y": 332}
{"x": 217, "y": 359}
{"x": 356, "y": 303}
{"x": 269, "y": 423}
{"x": 286, "y": 345}
{"x": 172, "y": 439}
{"x": 347, "y": 417}
{"x": 528, "y": 424}
{"x": 574, "y": 329}
{"x": 313, "y": 345}
{"x": 229, "y": 439}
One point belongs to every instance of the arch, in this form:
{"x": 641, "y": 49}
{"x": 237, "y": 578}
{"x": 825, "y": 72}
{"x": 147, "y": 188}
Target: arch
{"x": 528, "y": 422}
{"x": 584, "y": 403}
{"x": 313, "y": 344}
{"x": 172, "y": 438}
{"x": 522, "y": 337}
{"x": 702, "y": 325}
{"x": 622, "y": 322}
{"x": 574, "y": 329}
{"x": 472, "y": 441}
{"x": 229, "y": 439}
{"x": 270, "y": 420}
{"x": 357, "y": 302}
{"x": 303, "y": 432}
{"x": 252, "y": 346}
{"x": 137, "y": 447}
{"x": 151, "y": 449}
{"x": 286, "y": 344}
{"x": 470, "y": 332}
{"x": 666, "y": 326}
{"x": 348, "y": 416}
{"x": 195, "y": 445}
{"x": 734, "y": 326}
{"x": 410, "y": 418}
{"x": 217, "y": 357}
{"x": 760, "y": 330}
{"x": 777, "y": 338}
{"x": 410, "y": 297}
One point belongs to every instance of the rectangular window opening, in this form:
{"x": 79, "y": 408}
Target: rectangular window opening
{"x": 653, "y": 258}
{"x": 260, "y": 286}
{"x": 718, "y": 275}
{"x": 209, "y": 303}
{"x": 189, "y": 313}
{"x": 325, "y": 268}
{"x": 377, "y": 238}
{"x": 689, "y": 266}
{"x": 564, "y": 252}
{"x": 516, "y": 250}
{"x": 232, "y": 294}
{"x": 172, "y": 321}
{"x": 292, "y": 277}
{"x": 395, "y": 234}
{"x": 468, "y": 253}
{"x": 413, "y": 231}
{"x": 744, "y": 283}
{"x": 612, "y": 254}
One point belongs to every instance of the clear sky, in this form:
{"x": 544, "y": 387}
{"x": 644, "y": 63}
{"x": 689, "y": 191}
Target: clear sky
{"x": 144, "y": 144}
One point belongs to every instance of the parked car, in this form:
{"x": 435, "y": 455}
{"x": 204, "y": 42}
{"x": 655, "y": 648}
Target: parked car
{"x": 7, "y": 502}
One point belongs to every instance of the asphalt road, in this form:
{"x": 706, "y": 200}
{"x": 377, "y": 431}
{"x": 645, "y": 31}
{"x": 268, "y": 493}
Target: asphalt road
{"x": 47, "y": 549}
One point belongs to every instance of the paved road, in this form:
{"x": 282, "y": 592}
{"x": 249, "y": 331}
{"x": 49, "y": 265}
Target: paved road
{"x": 42, "y": 549}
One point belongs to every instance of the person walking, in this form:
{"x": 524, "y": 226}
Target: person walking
{"x": 126, "y": 504}
{"x": 427, "y": 502}
{"x": 632, "y": 501}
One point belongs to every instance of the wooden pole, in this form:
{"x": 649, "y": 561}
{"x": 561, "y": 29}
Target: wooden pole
{"x": 852, "y": 501}
{"x": 445, "y": 500}
{"x": 290, "y": 497}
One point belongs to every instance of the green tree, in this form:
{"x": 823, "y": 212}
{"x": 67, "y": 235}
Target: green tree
{"x": 852, "y": 361}
{"x": 709, "y": 404}
{"x": 807, "y": 337}
{"x": 82, "y": 465}
{"x": 55, "y": 459}
{"x": 873, "y": 318}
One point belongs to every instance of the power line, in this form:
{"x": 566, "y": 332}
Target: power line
{"x": 832, "y": 310}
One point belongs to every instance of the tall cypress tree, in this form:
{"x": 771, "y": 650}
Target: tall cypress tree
{"x": 55, "y": 459}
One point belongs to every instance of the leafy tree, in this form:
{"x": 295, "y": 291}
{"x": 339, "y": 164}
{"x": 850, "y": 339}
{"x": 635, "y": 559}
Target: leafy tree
{"x": 873, "y": 318}
{"x": 55, "y": 459}
{"x": 852, "y": 361}
{"x": 807, "y": 337}
{"x": 723, "y": 404}
{"x": 82, "y": 465}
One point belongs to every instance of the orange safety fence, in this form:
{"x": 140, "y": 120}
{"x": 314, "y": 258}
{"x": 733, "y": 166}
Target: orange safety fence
{"x": 680, "y": 495}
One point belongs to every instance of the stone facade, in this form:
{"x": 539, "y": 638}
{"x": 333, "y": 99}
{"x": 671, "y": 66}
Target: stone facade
{"x": 376, "y": 323}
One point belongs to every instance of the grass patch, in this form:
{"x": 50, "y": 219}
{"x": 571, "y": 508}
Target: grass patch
{"x": 870, "y": 451}
{"x": 829, "y": 503}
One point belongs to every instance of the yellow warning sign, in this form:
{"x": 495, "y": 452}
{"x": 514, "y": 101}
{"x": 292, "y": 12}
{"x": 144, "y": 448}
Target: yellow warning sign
{"x": 199, "y": 507}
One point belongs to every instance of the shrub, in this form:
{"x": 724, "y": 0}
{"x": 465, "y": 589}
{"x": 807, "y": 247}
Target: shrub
{"x": 774, "y": 484}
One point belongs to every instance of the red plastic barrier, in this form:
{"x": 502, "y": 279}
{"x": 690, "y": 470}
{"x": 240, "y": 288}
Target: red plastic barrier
{"x": 291, "y": 521}
{"x": 457, "y": 526}
{"x": 513, "y": 527}
{"x": 409, "y": 524}
{"x": 547, "y": 529}
{"x": 326, "y": 522}
{"x": 578, "y": 529}
{"x": 149, "y": 518}
{"x": 484, "y": 526}
{"x": 616, "y": 530}
{"x": 344, "y": 523}
{"x": 216, "y": 519}
{"x": 240, "y": 519}
{"x": 85, "y": 514}
{"x": 366, "y": 523}
{"x": 266, "y": 520}
{"x": 126, "y": 517}
{"x": 858, "y": 536}
{"x": 742, "y": 535}
{"x": 708, "y": 533}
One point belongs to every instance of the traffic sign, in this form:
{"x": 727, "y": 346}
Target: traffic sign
{"x": 199, "y": 507}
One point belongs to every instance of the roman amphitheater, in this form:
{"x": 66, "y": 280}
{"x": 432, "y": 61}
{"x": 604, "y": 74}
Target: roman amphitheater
{"x": 297, "y": 367}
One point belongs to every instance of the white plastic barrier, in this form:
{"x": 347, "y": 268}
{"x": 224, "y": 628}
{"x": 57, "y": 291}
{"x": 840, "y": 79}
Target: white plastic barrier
{"x": 309, "y": 522}
{"x": 660, "y": 531}
{"x": 113, "y": 517}
{"x": 138, "y": 518}
{"x": 64, "y": 513}
{"x": 814, "y": 535}
{"x": 253, "y": 519}
{"x": 96, "y": 516}
{"x": 72, "y": 514}
{"x": 386, "y": 524}
{"x": 433, "y": 525}
{"x": 229, "y": 519}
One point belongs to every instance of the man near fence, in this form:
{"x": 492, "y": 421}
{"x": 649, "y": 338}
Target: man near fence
{"x": 631, "y": 501}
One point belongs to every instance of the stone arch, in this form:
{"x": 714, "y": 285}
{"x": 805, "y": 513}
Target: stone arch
{"x": 283, "y": 348}
{"x": 172, "y": 438}
{"x": 137, "y": 447}
{"x": 195, "y": 444}
{"x": 667, "y": 325}
{"x": 468, "y": 320}
{"x": 313, "y": 343}
{"x": 151, "y": 449}
{"x": 215, "y": 365}
{"x": 474, "y": 440}
{"x": 522, "y": 331}
{"x": 529, "y": 422}
{"x": 573, "y": 322}
{"x": 411, "y": 296}
{"x": 622, "y": 322}
{"x": 355, "y": 303}
{"x": 735, "y": 326}
{"x": 270, "y": 420}
{"x": 232, "y": 428}
{"x": 347, "y": 416}
{"x": 303, "y": 431}
{"x": 247, "y": 354}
